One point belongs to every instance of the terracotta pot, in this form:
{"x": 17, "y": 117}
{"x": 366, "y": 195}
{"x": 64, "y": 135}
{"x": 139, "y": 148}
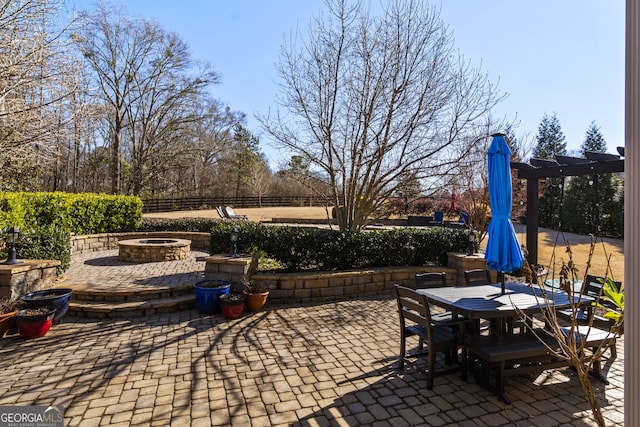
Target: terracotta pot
{"x": 256, "y": 300}
{"x": 34, "y": 325}
{"x": 232, "y": 305}
{"x": 7, "y": 321}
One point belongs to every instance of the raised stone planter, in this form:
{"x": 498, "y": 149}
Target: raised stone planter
{"x": 461, "y": 262}
{"x": 318, "y": 286}
{"x": 29, "y": 276}
{"x": 238, "y": 270}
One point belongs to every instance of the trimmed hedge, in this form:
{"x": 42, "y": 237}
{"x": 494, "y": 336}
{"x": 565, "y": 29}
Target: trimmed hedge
{"x": 305, "y": 248}
{"x": 83, "y": 213}
{"x": 197, "y": 225}
{"x": 47, "y": 220}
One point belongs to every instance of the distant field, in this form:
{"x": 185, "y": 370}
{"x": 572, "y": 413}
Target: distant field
{"x": 254, "y": 214}
{"x": 613, "y": 248}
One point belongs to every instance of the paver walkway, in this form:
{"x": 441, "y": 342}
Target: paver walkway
{"x": 327, "y": 364}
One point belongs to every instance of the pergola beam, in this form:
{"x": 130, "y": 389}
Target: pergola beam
{"x": 562, "y": 166}
{"x": 560, "y": 170}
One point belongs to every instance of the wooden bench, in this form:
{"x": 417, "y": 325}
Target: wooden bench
{"x": 525, "y": 353}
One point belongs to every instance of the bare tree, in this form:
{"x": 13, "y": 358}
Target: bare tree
{"x": 296, "y": 179}
{"x": 212, "y": 139}
{"x": 161, "y": 107}
{"x": 143, "y": 76}
{"x": 372, "y": 98}
{"x": 472, "y": 177}
{"x": 112, "y": 45}
{"x": 33, "y": 89}
{"x": 258, "y": 179}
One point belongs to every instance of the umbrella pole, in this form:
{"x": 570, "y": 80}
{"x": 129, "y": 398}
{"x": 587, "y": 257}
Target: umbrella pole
{"x": 502, "y": 285}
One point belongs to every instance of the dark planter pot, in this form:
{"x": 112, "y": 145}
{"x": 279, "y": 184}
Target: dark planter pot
{"x": 232, "y": 305}
{"x": 53, "y": 298}
{"x": 34, "y": 325}
{"x": 208, "y": 294}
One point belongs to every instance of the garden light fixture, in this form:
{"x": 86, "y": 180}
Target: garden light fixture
{"x": 235, "y": 235}
{"x": 12, "y": 254}
{"x": 472, "y": 242}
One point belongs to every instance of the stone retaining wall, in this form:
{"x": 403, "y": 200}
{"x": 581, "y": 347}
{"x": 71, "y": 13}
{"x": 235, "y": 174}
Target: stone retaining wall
{"x": 302, "y": 287}
{"x": 329, "y": 286}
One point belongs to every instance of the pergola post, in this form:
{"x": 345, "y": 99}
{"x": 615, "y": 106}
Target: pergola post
{"x": 533, "y": 219}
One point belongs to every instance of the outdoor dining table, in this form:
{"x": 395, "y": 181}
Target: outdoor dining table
{"x": 501, "y": 347}
{"x": 487, "y": 301}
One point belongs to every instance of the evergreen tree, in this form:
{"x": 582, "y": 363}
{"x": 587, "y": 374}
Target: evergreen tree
{"x": 518, "y": 188}
{"x": 607, "y": 209}
{"x": 550, "y": 142}
{"x": 614, "y": 225}
{"x": 590, "y": 199}
{"x": 246, "y": 154}
{"x": 594, "y": 140}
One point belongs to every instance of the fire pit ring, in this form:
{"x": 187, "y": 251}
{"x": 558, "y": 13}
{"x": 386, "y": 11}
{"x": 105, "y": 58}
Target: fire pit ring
{"x": 153, "y": 250}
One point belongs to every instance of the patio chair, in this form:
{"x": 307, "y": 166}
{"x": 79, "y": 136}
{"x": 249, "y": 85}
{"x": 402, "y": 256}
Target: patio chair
{"x": 431, "y": 280}
{"x": 220, "y": 212}
{"x": 463, "y": 221}
{"x": 437, "y": 280}
{"x": 230, "y": 214}
{"x": 438, "y": 218}
{"x": 415, "y": 320}
{"x": 464, "y": 218}
{"x": 477, "y": 277}
{"x": 592, "y": 287}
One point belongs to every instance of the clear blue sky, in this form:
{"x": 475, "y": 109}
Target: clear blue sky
{"x": 550, "y": 56}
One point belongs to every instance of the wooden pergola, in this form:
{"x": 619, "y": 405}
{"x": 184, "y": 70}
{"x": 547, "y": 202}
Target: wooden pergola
{"x": 562, "y": 166}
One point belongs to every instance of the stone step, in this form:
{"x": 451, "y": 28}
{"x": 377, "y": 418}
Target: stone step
{"x": 86, "y": 293}
{"x": 127, "y": 309}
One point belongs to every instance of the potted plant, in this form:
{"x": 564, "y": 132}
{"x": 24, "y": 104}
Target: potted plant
{"x": 208, "y": 294}
{"x": 34, "y": 322}
{"x": 256, "y": 296}
{"x": 8, "y": 309}
{"x": 232, "y": 305}
{"x": 51, "y": 298}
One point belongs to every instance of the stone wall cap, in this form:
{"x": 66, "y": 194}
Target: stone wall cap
{"x": 228, "y": 259}
{"x": 27, "y": 264}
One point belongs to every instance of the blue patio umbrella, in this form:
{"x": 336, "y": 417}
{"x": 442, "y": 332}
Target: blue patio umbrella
{"x": 503, "y": 252}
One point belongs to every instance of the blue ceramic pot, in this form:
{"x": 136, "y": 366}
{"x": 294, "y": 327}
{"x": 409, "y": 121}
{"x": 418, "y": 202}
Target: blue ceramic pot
{"x": 53, "y": 298}
{"x": 208, "y": 295}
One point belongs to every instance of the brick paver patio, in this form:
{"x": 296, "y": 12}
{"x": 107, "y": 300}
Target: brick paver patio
{"x": 330, "y": 364}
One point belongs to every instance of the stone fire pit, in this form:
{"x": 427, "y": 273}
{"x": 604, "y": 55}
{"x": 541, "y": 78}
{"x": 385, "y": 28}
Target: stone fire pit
{"x": 153, "y": 250}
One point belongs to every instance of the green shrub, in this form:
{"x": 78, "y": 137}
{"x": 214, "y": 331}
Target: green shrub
{"x": 83, "y": 213}
{"x": 306, "y": 248}
{"x": 203, "y": 225}
{"x": 47, "y": 220}
{"x": 43, "y": 242}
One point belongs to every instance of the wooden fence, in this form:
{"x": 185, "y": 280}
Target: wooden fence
{"x": 188, "y": 203}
